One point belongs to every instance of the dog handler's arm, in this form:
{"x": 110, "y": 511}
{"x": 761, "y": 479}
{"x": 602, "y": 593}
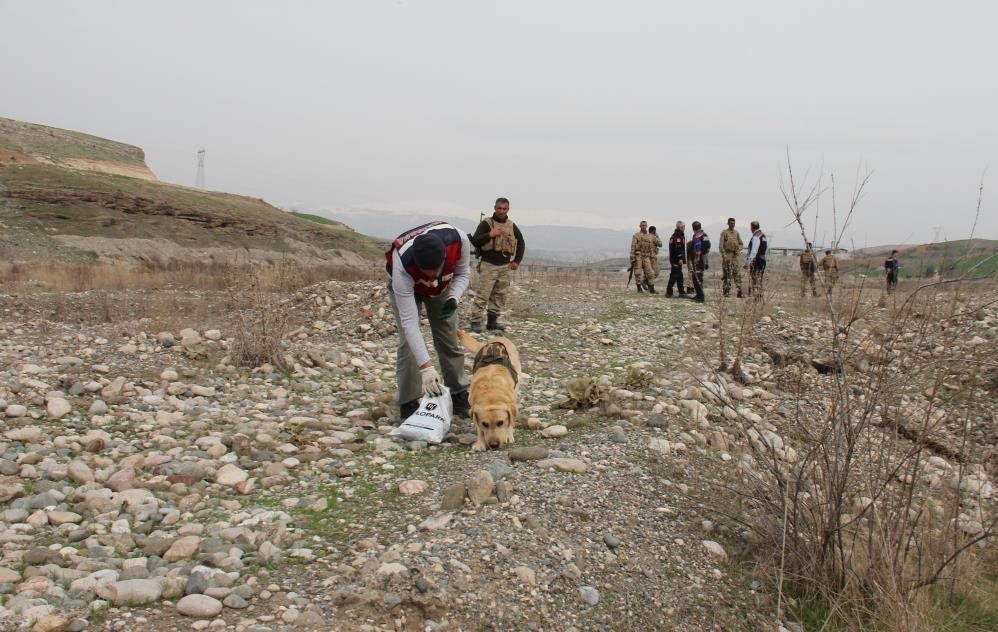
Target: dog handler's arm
{"x": 405, "y": 303}
{"x": 462, "y": 271}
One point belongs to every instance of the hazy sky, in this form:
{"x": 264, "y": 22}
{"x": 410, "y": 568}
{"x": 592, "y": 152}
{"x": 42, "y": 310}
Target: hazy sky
{"x": 582, "y": 113}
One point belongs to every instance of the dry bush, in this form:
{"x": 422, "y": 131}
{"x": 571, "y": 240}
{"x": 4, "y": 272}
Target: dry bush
{"x": 80, "y": 276}
{"x": 586, "y": 392}
{"x": 874, "y": 501}
{"x": 262, "y": 316}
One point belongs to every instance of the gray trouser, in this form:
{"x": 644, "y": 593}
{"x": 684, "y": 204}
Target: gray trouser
{"x": 449, "y": 351}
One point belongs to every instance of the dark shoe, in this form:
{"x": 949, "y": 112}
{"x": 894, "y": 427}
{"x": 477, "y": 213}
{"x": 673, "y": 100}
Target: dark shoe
{"x": 459, "y": 404}
{"x": 740, "y": 294}
{"x": 698, "y": 299}
{"x": 477, "y": 328}
{"x": 641, "y": 289}
{"x": 668, "y": 294}
{"x": 651, "y": 288}
{"x": 406, "y": 409}
{"x": 493, "y": 323}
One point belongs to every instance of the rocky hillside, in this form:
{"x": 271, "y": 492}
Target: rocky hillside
{"x": 72, "y": 196}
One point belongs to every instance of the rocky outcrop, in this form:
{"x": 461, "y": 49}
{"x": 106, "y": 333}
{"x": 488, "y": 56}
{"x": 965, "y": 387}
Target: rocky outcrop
{"x": 28, "y": 143}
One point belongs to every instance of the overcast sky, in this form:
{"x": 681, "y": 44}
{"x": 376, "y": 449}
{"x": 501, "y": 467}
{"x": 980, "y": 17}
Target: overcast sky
{"x": 582, "y": 113}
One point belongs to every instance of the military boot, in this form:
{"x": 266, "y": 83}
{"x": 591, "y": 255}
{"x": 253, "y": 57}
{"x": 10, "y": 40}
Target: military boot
{"x": 493, "y": 324}
{"x": 459, "y": 404}
{"x": 641, "y": 289}
{"x": 406, "y": 409}
{"x": 651, "y": 288}
{"x": 477, "y": 328}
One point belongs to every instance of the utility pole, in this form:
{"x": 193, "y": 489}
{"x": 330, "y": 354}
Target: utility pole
{"x": 199, "y": 182}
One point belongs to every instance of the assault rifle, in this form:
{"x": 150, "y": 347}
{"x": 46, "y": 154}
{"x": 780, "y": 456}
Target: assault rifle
{"x": 630, "y": 275}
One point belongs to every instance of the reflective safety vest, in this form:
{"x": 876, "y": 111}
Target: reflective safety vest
{"x": 427, "y": 284}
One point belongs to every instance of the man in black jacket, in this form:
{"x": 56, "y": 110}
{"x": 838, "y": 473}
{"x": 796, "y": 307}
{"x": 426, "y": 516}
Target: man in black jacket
{"x": 501, "y": 245}
{"x": 677, "y": 259}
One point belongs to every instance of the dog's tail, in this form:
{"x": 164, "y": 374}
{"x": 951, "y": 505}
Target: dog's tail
{"x": 469, "y": 343}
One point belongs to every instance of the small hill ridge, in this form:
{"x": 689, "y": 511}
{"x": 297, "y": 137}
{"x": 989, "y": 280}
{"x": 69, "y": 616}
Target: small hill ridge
{"x": 66, "y": 195}
{"x": 28, "y": 143}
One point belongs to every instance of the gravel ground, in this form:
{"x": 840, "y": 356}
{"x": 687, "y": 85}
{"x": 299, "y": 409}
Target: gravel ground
{"x": 146, "y": 482}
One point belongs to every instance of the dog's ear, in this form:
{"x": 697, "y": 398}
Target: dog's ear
{"x": 513, "y": 414}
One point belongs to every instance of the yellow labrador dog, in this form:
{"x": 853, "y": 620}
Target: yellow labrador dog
{"x": 492, "y": 394}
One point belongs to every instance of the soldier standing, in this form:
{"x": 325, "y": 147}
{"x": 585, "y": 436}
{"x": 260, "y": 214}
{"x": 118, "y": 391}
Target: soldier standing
{"x": 642, "y": 253}
{"x": 830, "y": 267}
{"x": 808, "y": 266}
{"x": 731, "y": 249}
{"x": 892, "y": 266}
{"x": 658, "y": 244}
{"x": 501, "y": 244}
{"x": 696, "y": 253}
{"x": 677, "y": 259}
{"x": 756, "y": 260}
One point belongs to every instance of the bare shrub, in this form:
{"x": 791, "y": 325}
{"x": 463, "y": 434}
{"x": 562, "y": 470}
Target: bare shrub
{"x": 874, "y": 492}
{"x": 80, "y": 276}
{"x": 262, "y": 316}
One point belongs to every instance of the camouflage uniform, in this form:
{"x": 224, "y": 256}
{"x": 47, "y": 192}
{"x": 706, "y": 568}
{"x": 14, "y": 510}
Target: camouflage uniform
{"x": 808, "y": 267}
{"x": 830, "y": 266}
{"x": 643, "y": 246}
{"x": 731, "y": 248}
{"x": 654, "y": 259}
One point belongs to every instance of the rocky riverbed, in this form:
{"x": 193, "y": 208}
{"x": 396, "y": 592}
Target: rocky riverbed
{"x": 147, "y": 483}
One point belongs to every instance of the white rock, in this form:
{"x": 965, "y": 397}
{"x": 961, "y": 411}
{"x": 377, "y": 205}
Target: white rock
{"x": 393, "y": 568}
{"x": 662, "y": 446}
{"x": 412, "y": 486}
{"x": 16, "y": 410}
{"x": 230, "y": 475}
{"x": 526, "y": 575}
{"x": 27, "y": 434}
{"x": 436, "y": 522}
{"x": 715, "y": 549}
{"x": 563, "y": 465}
{"x": 58, "y": 407}
{"x": 553, "y": 432}
{"x": 199, "y": 606}
{"x": 183, "y": 549}
{"x": 136, "y": 592}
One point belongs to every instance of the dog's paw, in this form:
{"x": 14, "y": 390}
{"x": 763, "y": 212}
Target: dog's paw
{"x": 478, "y": 446}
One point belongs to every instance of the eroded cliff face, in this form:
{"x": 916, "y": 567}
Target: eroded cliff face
{"x": 24, "y": 143}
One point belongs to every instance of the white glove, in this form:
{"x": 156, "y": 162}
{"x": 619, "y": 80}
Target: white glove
{"x": 431, "y": 381}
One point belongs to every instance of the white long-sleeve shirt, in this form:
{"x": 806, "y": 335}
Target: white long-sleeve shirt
{"x": 753, "y": 247}
{"x": 405, "y": 298}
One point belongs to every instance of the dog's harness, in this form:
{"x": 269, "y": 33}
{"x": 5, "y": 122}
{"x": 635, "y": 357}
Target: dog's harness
{"x": 494, "y": 353}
